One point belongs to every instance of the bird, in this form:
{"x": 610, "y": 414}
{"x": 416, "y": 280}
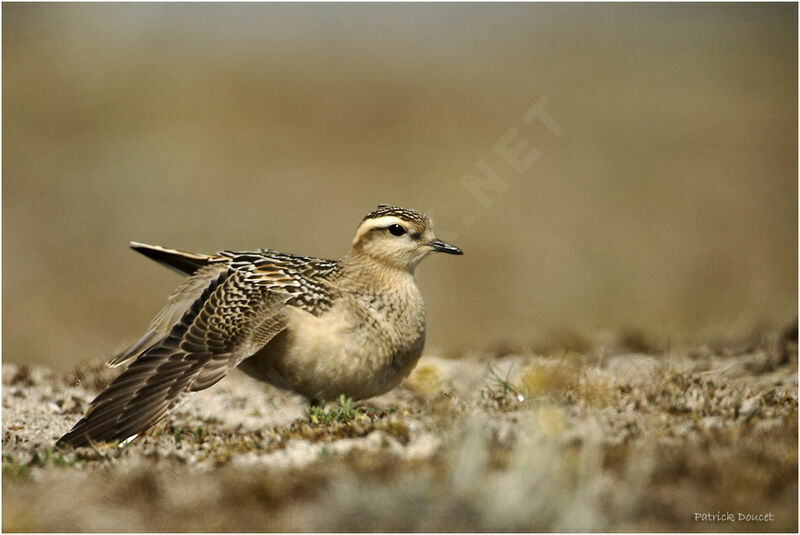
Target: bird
{"x": 320, "y": 328}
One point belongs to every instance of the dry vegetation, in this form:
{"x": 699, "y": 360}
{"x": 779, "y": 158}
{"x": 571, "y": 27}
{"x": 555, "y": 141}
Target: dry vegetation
{"x": 618, "y": 436}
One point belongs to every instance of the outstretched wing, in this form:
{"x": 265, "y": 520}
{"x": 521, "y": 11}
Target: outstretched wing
{"x": 178, "y": 303}
{"x": 236, "y": 314}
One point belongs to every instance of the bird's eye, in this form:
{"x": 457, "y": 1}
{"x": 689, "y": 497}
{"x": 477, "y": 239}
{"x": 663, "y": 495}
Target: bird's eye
{"x": 397, "y": 230}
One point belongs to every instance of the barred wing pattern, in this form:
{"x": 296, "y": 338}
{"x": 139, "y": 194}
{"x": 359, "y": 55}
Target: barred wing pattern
{"x": 178, "y": 303}
{"x": 239, "y": 311}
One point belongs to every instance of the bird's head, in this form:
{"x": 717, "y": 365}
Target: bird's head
{"x": 398, "y": 237}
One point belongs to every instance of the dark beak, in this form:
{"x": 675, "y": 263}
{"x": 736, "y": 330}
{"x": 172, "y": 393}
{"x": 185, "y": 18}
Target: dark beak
{"x": 442, "y": 247}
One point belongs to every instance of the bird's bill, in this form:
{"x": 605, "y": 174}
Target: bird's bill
{"x": 443, "y": 247}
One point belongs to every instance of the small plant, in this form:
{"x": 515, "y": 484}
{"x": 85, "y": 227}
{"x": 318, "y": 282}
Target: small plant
{"x": 503, "y": 386}
{"x": 49, "y": 457}
{"x": 318, "y": 415}
{"x": 201, "y": 432}
{"x": 344, "y": 412}
{"x": 177, "y": 435}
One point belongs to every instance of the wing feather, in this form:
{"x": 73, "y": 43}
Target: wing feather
{"x": 183, "y": 262}
{"x": 179, "y": 301}
{"x": 232, "y": 317}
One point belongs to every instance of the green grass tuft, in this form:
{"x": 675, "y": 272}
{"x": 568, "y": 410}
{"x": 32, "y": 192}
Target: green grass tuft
{"x": 50, "y": 457}
{"x": 343, "y": 412}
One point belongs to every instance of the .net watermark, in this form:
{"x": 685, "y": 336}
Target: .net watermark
{"x": 511, "y": 156}
{"x": 725, "y": 516}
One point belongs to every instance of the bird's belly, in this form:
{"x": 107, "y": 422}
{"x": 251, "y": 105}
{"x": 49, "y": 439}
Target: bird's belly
{"x": 323, "y": 358}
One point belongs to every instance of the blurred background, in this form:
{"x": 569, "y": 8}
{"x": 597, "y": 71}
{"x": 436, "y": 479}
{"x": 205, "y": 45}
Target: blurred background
{"x": 667, "y": 204}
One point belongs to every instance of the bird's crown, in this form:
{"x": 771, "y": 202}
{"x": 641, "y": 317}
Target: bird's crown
{"x": 406, "y": 214}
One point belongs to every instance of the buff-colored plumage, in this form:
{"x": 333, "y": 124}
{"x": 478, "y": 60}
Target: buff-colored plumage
{"x": 321, "y": 328}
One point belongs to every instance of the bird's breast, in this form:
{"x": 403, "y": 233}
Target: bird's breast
{"x": 361, "y": 347}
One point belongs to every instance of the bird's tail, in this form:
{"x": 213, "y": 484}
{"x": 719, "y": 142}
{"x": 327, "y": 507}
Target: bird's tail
{"x": 183, "y": 262}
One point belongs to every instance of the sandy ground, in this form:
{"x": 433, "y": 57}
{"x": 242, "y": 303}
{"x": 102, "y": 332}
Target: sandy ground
{"x": 615, "y": 436}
